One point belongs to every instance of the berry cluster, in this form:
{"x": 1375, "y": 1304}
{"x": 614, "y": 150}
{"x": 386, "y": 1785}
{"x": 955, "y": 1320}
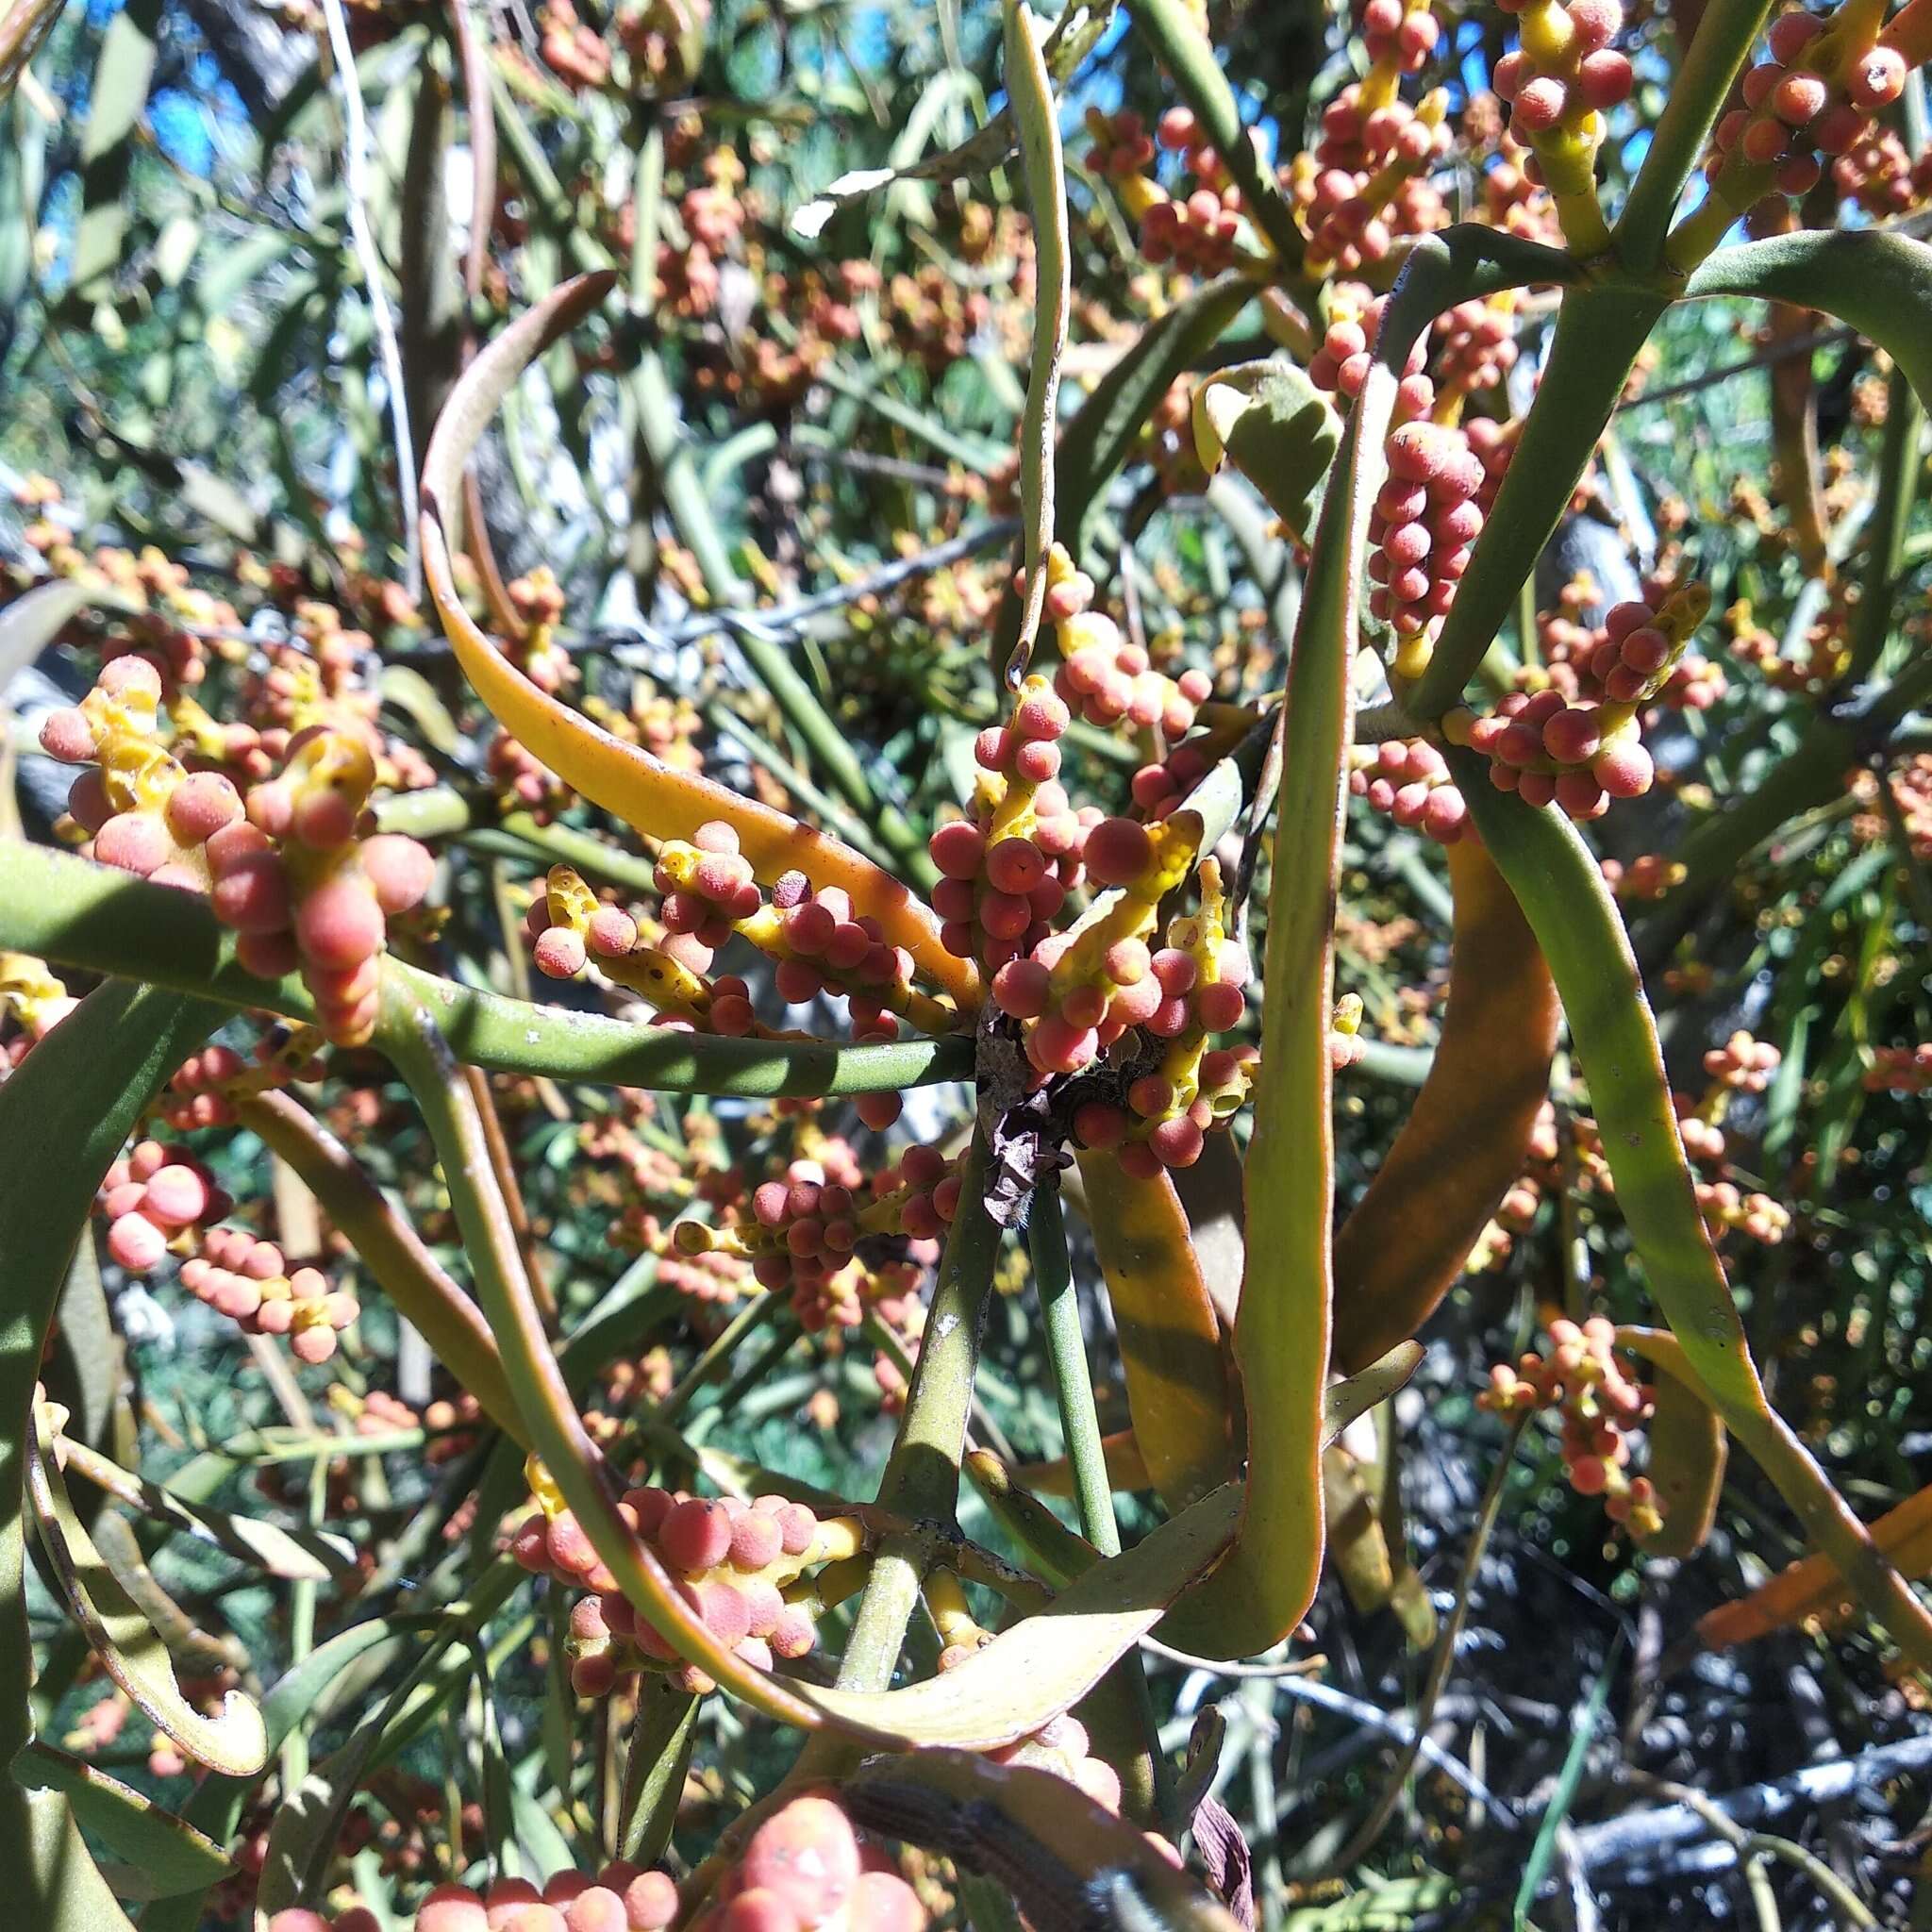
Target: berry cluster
{"x": 1423, "y": 529}
{"x": 806, "y": 1870}
{"x": 1900, "y": 1070}
{"x": 247, "y": 1280}
{"x": 1600, "y": 1405}
{"x": 151, "y": 1197}
{"x": 620, "y": 1898}
{"x": 1560, "y": 80}
{"x": 32, "y": 999}
{"x": 1581, "y": 752}
{"x": 1408, "y": 780}
{"x": 294, "y": 877}
{"x": 1475, "y": 344}
{"x": 1200, "y": 229}
{"x": 1879, "y": 174}
{"x": 805, "y": 1229}
{"x": 206, "y": 1086}
{"x": 1813, "y": 97}
{"x": 1742, "y": 1064}
{"x": 1367, "y": 180}
{"x": 733, "y": 1562}
{"x": 1107, "y": 681}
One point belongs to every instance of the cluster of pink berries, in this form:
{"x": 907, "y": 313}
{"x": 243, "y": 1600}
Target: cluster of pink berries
{"x": 1408, "y": 780}
{"x": 292, "y": 876}
{"x": 1423, "y": 528}
{"x": 1564, "y": 68}
{"x": 206, "y": 1084}
{"x": 1879, "y": 175}
{"x": 247, "y": 1280}
{"x": 306, "y": 889}
{"x": 732, "y": 1561}
{"x": 1582, "y": 750}
{"x": 1726, "y": 1206}
{"x": 1109, "y": 681}
{"x": 804, "y": 1230}
{"x": 1196, "y": 230}
{"x": 1475, "y": 345}
{"x": 151, "y": 1197}
{"x": 1815, "y": 96}
{"x": 1397, "y": 34}
{"x": 1600, "y": 1405}
{"x": 806, "y": 1870}
{"x": 1648, "y": 877}
{"x": 1900, "y": 1070}
{"x": 1367, "y": 180}
{"x": 1742, "y": 1064}
{"x": 620, "y": 1898}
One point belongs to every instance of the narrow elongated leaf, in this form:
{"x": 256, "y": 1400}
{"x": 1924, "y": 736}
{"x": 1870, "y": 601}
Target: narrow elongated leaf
{"x": 1178, "y": 1391}
{"x": 623, "y": 778}
{"x": 1562, "y": 893}
{"x": 32, "y": 622}
{"x": 1260, "y": 1592}
{"x": 165, "y": 1854}
{"x": 1030, "y": 87}
{"x": 297, "y": 1554}
{"x": 1397, "y": 1255}
{"x": 124, "y": 1642}
{"x": 1065, "y": 1861}
{"x": 1106, "y": 427}
{"x": 64, "y": 1115}
{"x": 1881, "y": 283}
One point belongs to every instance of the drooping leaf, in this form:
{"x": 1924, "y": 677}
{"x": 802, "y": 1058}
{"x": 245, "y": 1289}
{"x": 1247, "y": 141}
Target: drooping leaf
{"x": 1401, "y": 1249}
{"x": 1178, "y": 1391}
{"x": 1561, "y": 890}
{"x": 64, "y": 1115}
{"x": 122, "y": 1638}
{"x": 623, "y": 778}
{"x": 1687, "y": 1449}
{"x": 32, "y": 622}
{"x": 1277, "y": 429}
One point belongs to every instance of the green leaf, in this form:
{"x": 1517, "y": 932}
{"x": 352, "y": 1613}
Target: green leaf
{"x": 1103, "y": 430}
{"x": 1582, "y": 1730}
{"x": 123, "y": 1640}
{"x": 1279, "y": 431}
{"x": 1561, "y": 890}
{"x": 165, "y": 1854}
{"x": 1881, "y": 283}
{"x": 32, "y": 622}
{"x": 64, "y": 1115}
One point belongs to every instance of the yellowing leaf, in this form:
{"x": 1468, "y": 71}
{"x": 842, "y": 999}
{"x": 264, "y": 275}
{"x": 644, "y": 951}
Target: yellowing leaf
{"x": 1178, "y": 1390}
{"x": 623, "y": 778}
{"x": 1462, "y": 1145}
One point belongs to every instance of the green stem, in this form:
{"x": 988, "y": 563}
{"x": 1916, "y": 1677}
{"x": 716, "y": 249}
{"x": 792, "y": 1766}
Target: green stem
{"x": 1066, "y": 1351}
{"x": 1723, "y": 42}
{"x": 1599, "y": 332}
{"x": 72, "y": 912}
{"x": 754, "y": 1315}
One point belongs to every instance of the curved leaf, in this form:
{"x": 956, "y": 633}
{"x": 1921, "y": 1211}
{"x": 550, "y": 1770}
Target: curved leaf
{"x": 166, "y": 1855}
{"x": 1561, "y": 890}
{"x": 64, "y": 1115}
{"x": 1277, "y": 429}
{"x": 623, "y": 778}
{"x": 1881, "y": 283}
{"x": 1065, "y": 1861}
{"x": 1398, "y": 1253}
{"x": 1029, "y": 1672}
{"x": 123, "y": 1640}
{"x": 1687, "y": 1451}
{"x": 1178, "y": 1392}
{"x": 32, "y": 622}
{"x": 296, "y": 1554}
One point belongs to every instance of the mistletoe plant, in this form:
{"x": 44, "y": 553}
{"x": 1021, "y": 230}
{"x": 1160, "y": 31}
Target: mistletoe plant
{"x": 1121, "y": 933}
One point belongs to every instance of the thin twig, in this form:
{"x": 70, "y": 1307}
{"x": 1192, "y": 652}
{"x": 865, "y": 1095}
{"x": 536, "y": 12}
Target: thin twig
{"x": 356, "y": 186}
